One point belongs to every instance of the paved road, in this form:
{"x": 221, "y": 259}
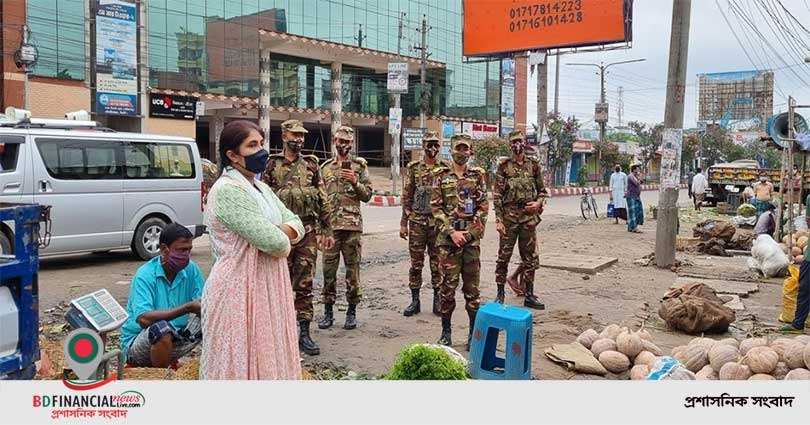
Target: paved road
{"x": 386, "y": 219}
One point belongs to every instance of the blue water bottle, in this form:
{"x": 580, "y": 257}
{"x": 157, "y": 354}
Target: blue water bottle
{"x": 468, "y": 202}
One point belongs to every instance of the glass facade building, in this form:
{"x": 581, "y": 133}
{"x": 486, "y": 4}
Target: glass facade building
{"x": 58, "y": 30}
{"x": 212, "y": 46}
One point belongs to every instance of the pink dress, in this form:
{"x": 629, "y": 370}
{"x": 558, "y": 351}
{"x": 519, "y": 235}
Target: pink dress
{"x": 248, "y": 316}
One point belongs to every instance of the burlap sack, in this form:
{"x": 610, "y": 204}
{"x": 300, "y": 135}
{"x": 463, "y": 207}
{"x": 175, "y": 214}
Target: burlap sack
{"x": 708, "y": 229}
{"x": 696, "y": 309}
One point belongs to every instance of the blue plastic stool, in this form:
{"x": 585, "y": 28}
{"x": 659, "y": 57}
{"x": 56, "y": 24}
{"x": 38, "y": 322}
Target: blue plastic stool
{"x": 517, "y": 323}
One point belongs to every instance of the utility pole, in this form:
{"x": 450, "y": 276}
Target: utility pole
{"x": 423, "y": 98}
{"x": 395, "y": 175}
{"x": 542, "y": 94}
{"x": 603, "y": 123}
{"x": 602, "y": 71}
{"x": 557, "y": 83}
{"x": 666, "y": 228}
{"x": 620, "y": 108}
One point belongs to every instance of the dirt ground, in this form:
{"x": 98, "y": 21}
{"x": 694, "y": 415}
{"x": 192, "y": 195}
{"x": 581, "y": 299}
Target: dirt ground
{"x": 626, "y": 294}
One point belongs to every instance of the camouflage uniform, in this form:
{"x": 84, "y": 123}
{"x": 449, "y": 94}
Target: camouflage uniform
{"x": 517, "y": 183}
{"x": 346, "y": 224}
{"x": 448, "y": 199}
{"x": 299, "y": 185}
{"x": 418, "y": 218}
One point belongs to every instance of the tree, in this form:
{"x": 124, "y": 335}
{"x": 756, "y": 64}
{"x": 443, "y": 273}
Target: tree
{"x": 487, "y": 152}
{"x": 562, "y": 133}
{"x": 649, "y": 141}
{"x": 608, "y": 154}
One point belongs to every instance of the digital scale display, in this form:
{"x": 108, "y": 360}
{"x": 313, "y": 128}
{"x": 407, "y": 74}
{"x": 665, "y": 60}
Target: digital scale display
{"x": 98, "y": 310}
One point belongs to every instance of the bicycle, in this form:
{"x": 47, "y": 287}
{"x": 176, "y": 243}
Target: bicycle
{"x": 587, "y": 204}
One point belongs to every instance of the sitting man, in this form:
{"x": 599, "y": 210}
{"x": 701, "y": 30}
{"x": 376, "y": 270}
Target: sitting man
{"x": 766, "y": 223}
{"x": 164, "y": 304}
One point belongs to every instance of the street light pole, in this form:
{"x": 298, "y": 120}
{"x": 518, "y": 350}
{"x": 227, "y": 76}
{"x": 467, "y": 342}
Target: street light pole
{"x": 602, "y": 124}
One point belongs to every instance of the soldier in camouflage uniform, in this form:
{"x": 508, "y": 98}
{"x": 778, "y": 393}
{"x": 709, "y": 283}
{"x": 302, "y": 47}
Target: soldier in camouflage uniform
{"x": 519, "y": 195}
{"x": 460, "y": 204}
{"x": 347, "y": 185}
{"x": 297, "y": 181}
{"x": 417, "y": 223}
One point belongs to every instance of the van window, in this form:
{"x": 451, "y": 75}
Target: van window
{"x": 72, "y": 159}
{"x": 159, "y": 161}
{"x": 9, "y": 152}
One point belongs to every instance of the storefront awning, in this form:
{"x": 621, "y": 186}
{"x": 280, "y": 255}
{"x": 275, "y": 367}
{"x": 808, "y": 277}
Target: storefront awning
{"x": 329, "y": 52}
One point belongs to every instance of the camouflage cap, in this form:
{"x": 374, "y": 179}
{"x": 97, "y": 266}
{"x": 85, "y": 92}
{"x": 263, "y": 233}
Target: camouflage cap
{"x": 461, "y": 139}
{"x": 515, "y": 135}
{"x": 431, "y": 136}
{"x": 345, "y": 132}
{"x": 294, "y": 126}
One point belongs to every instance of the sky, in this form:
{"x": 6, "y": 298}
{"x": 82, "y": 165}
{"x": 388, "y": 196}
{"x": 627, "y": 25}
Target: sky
{"x": 712, "y": 48}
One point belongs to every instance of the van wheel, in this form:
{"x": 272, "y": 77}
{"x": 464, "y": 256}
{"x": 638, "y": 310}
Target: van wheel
{"x": 146, "y": 243}
{"x": 5, "y": 245}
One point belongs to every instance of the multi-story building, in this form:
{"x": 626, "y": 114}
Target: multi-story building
{"x": 323, "y": 62}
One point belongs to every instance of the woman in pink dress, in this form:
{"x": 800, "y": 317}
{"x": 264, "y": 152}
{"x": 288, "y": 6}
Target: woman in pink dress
{"x": 248, "y": 316}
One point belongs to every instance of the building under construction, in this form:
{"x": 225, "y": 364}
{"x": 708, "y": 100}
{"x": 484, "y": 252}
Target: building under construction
{"x": 740, "y": 100}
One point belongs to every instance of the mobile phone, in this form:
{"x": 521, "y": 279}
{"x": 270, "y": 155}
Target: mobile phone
{"x": 346, "y": 165}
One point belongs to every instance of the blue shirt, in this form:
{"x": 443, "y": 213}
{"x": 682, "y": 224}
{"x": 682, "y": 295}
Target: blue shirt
{"x": 150, "y": 290}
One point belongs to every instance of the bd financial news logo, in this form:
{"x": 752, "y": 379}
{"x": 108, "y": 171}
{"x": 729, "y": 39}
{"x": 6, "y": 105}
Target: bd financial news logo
{"x": 84, "y": 351}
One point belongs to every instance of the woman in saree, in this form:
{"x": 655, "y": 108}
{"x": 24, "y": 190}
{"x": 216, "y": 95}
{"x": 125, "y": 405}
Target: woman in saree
{"x": 249, "y": 327}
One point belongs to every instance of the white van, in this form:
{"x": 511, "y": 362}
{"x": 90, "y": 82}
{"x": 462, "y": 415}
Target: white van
{"x": 107, "y": 190}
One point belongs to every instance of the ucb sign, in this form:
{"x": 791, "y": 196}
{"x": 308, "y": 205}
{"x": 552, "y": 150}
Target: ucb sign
{"x": 171, "y": 106}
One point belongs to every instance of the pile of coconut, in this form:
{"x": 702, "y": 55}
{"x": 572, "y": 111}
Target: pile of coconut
{"x": 800, "y": 239}
{"x": 752, "y": 359}
{"x": 619, "y": 349}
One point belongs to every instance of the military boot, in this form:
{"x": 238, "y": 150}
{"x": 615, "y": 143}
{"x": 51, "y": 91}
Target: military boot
{"x": 531, "y": 301}
{"x": 328, "y": 317}
{"x": 501, "y": 294}
{"x": 351, "y": 317}
{"x": 415, "y": 306}
{"x": 472, "y": 315}
{"x": 437, "y": 302}
{"x": 305, "y": 343}
{"x": 445, "y": 338}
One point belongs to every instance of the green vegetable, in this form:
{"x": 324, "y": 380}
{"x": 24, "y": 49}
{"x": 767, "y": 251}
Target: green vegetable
{"x": 420, "y": 362}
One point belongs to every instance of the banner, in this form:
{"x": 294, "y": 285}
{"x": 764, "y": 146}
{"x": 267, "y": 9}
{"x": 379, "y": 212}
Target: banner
{"x": 479, "y": 131}
{"x": 412, "y": 138}
{"x": 507, "y": 96}
{"x": 172, "y": 106}
{"x": 117, "y": 58}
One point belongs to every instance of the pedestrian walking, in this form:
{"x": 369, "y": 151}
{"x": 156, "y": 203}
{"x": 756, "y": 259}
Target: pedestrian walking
{"x": 418, "y": 225}
{"x": 248, "y": 316}
{"x": 518, "y": 196}
{"x": 297, "y": 180}
{"x": 460, "y": 204}
{"x": 347, "y": 185}
{"x": 699, "y": 186}
{"x": 618, "y": 187}
{"x": 635, "y": 210}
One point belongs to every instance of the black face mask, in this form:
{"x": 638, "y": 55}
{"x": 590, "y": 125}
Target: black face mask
{"x": 343, "y": 150}
{"x": 294, "y": 145}
{"x": 517, "y": 147}
{"x": 432, "y": 150}
{"x": 618, "y": 169}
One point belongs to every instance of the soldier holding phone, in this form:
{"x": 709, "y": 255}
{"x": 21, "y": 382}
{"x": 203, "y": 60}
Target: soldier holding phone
{"x": 347, "y": 185}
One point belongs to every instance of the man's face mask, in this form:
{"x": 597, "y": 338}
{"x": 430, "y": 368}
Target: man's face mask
{"x": 295, "y": 142}
{"x": 432, "y": 150}
{"x": 518, "y": 146}
{"x": 461, "y": 157}
{"x": 763, "y": 179}
{"x": 177, "y": 260}
{"x": 618, "y": 169}
{"x": 343, "y": 148}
